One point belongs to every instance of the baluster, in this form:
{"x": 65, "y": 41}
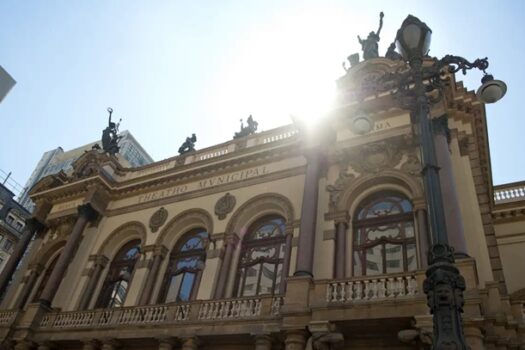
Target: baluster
{"x": 358, "y": 290}
{"x": 381, "y": 289}
{"x": 202, "y": 311}
{"x": 342, "y": 293}
{"x": 224, "y": 308}
{"x": 412, "y": 286}
{"x": 367, "y": 290}
{"x": 390, "y": 288}
{"x": 334, "y": 291}
{"x": 328, "y": 292}
{"x": 350, "y": 289}
{"x": 215, "y": 308}
{"x": 374, "y": 289}
{"x": 401, "y": 286}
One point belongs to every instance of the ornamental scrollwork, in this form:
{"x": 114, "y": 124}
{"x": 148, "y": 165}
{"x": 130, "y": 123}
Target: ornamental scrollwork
{"x": 376, "y": 157}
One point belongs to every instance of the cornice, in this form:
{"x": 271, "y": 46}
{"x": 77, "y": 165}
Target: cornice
{"x": 186, "y": 173}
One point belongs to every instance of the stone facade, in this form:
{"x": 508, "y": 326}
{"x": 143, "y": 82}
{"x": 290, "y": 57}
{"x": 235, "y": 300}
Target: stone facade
{"x": 255, "y": 243}
{"x": 13, "y": 218}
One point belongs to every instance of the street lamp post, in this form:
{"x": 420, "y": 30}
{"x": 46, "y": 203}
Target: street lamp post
{"x": 443, "y": 285}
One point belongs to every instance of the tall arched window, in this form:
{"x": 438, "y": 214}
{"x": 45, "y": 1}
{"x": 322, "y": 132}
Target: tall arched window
{"x": 45, "y": 278}
{"x": 384, "y": 240}
{"x": 117, "y": 281}
{"x": 185, "y": 267}
{"x": 261, "y": 262}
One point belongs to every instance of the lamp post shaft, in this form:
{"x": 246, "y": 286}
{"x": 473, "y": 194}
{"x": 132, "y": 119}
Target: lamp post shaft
{"x": 429, "y": 159}
{"x": 444, "y": 285}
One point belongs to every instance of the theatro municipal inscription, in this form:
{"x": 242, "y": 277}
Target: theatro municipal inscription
{"x": 204, "y": 184}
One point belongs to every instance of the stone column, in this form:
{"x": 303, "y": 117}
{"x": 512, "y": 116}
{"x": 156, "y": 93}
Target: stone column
{"x": 306, "y": 244}
{"x": 91, "y": 345}
{"x": 453, "y": 220}
{"x": 110, "y": 344}
{"x": 263, "y": 342}
{"x": 473, "y": 335}
{"x": 47, "y": 346}
{"x": 286, "y": 260}
{"x": 166, "y": 343}
{"x": 159, "y": 252}
{"x": 32, "y": 226}
{"x": 100, "y": 262}
{"x": 190, "y": 343}
{"x": 422, "y": 230}
{"x": 295, "y": 340}
{"x": 36, "y": 270}
{"x": 85, "y": 214}
{"x": 341, "y": 226}
{"x": 231, "y": 241}
{"x": 24, "y": 345}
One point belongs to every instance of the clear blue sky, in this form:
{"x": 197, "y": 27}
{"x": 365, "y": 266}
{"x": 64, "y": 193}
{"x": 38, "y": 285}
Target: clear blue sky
{"x": 170, "y": 68}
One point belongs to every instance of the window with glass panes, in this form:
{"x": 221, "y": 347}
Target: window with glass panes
{"x": 184, "y": 271}
{"x": 118, "y": 279}
{"x": 383, "y": 235}
{"x": 261, "y": 261}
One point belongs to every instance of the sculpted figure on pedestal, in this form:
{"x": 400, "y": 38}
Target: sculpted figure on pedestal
{"x": 369, "y": 45}
{"x": 110, "y": 136}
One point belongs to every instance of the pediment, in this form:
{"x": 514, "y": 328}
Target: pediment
{"x": 351, "y": 85}
{"x": 91, "y": 163}
{"x": 48, "y": 182}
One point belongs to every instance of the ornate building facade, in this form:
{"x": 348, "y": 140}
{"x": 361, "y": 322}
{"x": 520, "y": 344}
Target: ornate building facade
{"x": 284, "y": 239}
{"x": 58, "y": 160}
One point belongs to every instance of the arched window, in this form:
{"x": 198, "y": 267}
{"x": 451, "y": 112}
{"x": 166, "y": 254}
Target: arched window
{"x": 261, "y": 260}
{"x": 117, "y": 281}
{"x": 185, "y": 267}
{"x": 45, "y": 278}
{"x": 384, "y": 240}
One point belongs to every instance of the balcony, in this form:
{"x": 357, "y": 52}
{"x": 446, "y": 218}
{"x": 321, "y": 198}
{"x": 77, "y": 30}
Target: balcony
{"x": 392, "y": 296}
{"x": 265, "y": 307}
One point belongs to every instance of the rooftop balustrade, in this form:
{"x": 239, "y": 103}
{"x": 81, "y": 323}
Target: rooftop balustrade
{"x": 507, "y": 193}
{"x": 264, "y": 138}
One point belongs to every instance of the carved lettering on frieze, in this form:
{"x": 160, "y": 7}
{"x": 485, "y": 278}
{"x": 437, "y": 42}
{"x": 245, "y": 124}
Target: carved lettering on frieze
{"x": 205, "y": 184}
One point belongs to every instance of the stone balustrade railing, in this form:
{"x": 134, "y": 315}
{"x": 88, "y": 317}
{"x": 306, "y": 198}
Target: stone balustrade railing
{"x": 228, "y": 309}
{"x": 513, "y": 192}
{"x": 7, "y": 317}
{"x": 262, "y": 138}
{"x": 374, "y": 288}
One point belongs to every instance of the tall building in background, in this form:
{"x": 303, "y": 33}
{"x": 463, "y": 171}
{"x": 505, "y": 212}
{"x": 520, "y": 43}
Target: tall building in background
{"x": 13, "y": 218}
{"x": 57, "y": 159}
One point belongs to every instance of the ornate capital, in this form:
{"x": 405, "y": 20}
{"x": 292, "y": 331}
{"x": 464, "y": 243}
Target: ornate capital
{"x": 160, "y": 250}
{"x": 440, "y": 126}
{"x": 35, "y": 225}
{"x": 88, "y": 212}
{"x": 36, "y": 268}
{"x": 100, "y": 260}
{"x": 231, "y": 238}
